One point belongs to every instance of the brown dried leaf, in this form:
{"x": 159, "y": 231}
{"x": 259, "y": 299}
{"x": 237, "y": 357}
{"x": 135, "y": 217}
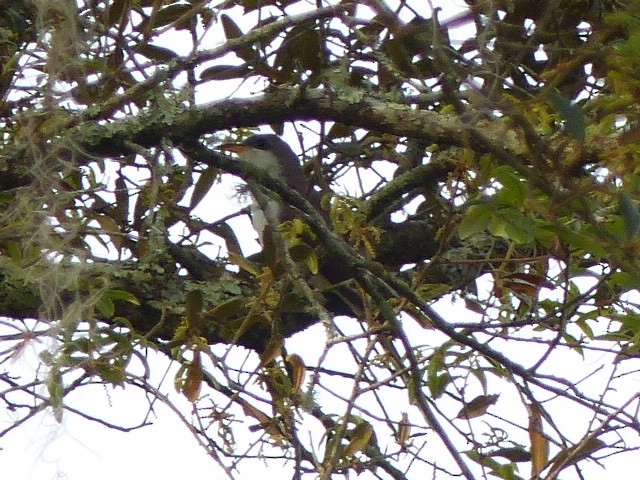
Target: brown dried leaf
{"x": 539, "y": 442}
{"x": 193, "y": 380}
{"x": 298, "y": 371}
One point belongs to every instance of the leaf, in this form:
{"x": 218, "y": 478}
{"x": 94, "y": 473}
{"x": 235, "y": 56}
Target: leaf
{"x": 298, "y": 371}
{"x": 525, "y": 283}
{"x": 14, "y": 250}
{"x": 573, "y": 342}
{"x": 360, "y": 438}
{"x": 171, "y": 14}
{"x": 234, "y": 307}
{"x": 513, "y": 225}
{"x": 225, "y": 72}
{"x": 117, "y": 11}
{"x": 233, "y": 31}
{"x": 112, "y": 229}
{"x": 203, "y": 185}
{"x": 153, "y": 52}
{"x": 571, "y": 113}
{"x": 404, "y": 430}
{"x": 584, "y": 326}
{"x": 539, "y": 442}
{"x": 244, "y": 264}
{"x": 111, "y": 373}
{"x": 477, "y": 407}
{"x": 272, "y": 351}
{"x": 514, "y": 188}
{"x": 193, "y": 379}
{"x": 224, "y": 231}
{"x": 56, "y": 391}
{"x": 629, "y": 213}
{"x": 123, "y": 295}
{"x": 194, "y": 308}
{"x": 583, "y": 240}
{"x": 105, "y": 306}
{"x": 266, "y": 423}
{"x": 18, "y": 20}
{"x": 247, "y": 323}
{"x": 120, "y": 211}
{"x": 572, "y": 455}
{"x": 436, "y": 381}
{"x": 513, "y": 454}
{"x": 475, "y": 221}
{"x": 506, "y": 472}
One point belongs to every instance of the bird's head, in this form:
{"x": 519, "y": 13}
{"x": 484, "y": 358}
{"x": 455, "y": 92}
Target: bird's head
{"x": 272, "y": 154}
{"x": 260, "y": 151}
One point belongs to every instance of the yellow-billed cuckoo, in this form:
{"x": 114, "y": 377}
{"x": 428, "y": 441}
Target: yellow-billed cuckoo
{"x": 273, "y": 155}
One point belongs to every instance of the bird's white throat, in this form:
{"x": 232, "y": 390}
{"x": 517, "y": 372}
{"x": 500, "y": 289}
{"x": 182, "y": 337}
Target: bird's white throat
{"x": 265, "y": 210}
{"x": 263, "y": 159}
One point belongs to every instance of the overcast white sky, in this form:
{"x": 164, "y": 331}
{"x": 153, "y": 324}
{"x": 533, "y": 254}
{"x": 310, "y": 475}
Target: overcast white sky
{"x": 77, "y": 449}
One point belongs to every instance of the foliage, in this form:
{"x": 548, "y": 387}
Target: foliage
{"x": 497, "y": 167}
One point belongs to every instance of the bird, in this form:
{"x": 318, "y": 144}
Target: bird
{"x": 274, "y": 157}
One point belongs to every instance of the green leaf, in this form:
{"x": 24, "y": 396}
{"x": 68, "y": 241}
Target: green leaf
{"x": 234, "y": 307}
{"x": 171, "y": 14}
{"x": 361, "y": 435}
{"x": 244, "y": 264}
{"x": 582, "y": 240}
{"x": 110, "y": 373}
{"x": 55, "y": 388}
{"x": 18, "y": 20}
{"x": 154, "y": 52}
{"x": 475, "y": 221}
{"x": 123, "y": 295}
{"x": 247, "y": 323}
{"x": 437, "y": 376}
{"x": 233, "y": 31}
{"x": 194, "y": 307}
{"x": 513, "y": 225}
{"x": 513, "y": 454}
{"x": 224, "y": 231}
{"x": 117, "y": 11}
{"x": 506, "y": 471}
{"x": 105, "y": 306}
{"x": 300, "y": 251}
{"x": 630, "y": 214}
{"x": 477, "y": 407}
{"x": 514, "y": 188}
{"x": 571, "y": 113}
{"x": 14, "y": 251}
{"x": 584, "y": 326}
{"x": 203, "y": 185}
{"x": 111, "y": 228}
{"x": 573, "y": 343}
{"x": 224, "y": 72}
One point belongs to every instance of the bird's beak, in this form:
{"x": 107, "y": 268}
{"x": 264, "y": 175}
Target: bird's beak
{"x": 233, "y": 148}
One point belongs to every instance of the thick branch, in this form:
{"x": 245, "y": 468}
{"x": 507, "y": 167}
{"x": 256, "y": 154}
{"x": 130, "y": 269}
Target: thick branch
{"x": 351, "y": 106}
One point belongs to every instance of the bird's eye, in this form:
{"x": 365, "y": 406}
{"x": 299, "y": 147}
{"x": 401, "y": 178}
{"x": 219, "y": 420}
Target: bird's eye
{"x": 261, "y": 144}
